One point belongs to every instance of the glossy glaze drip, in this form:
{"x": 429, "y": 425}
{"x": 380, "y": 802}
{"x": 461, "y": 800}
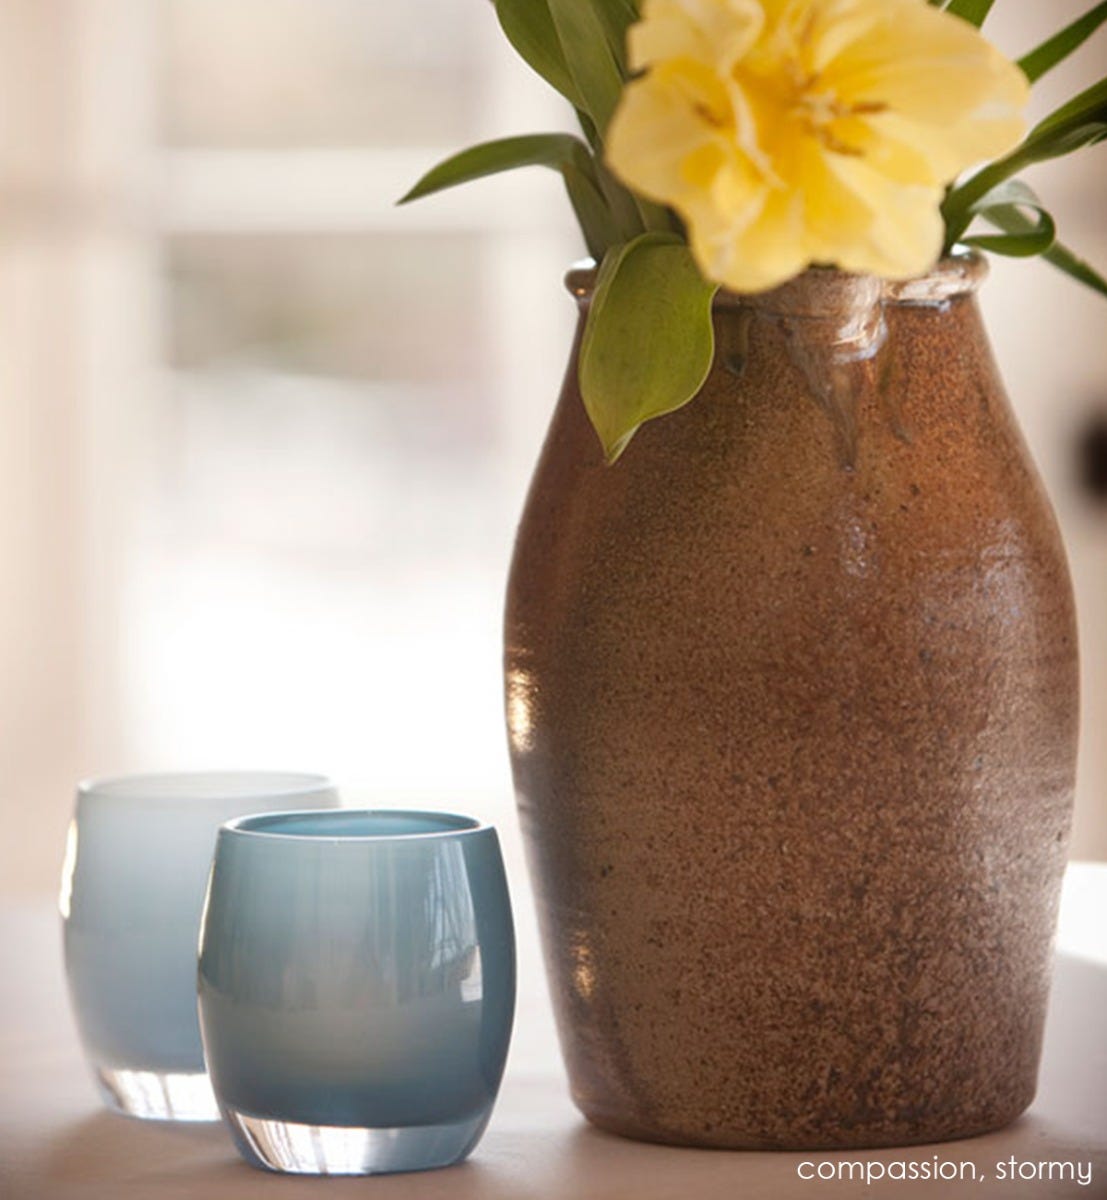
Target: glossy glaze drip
{"x": 833, "y": 326}
{"x": 736, "y": 358}
{"x": 837, "y": 334}
{"x": 889, "y": 376}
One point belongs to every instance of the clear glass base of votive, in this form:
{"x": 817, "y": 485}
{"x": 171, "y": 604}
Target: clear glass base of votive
{"x": 158, "y": 1096}
{"x": 344, "y": 1150}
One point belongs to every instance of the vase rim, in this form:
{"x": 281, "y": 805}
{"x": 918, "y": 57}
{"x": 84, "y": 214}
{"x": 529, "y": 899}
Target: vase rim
{"x": 818, "y": 290}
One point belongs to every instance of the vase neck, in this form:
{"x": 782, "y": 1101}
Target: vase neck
{"x": 833, "y": 326}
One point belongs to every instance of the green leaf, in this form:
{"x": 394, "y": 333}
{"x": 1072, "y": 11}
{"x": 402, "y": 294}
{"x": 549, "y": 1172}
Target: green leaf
{"x": 973, "y": 11}
{"x": 1036, "y": 240}
{"x": 1081, "y": 122}
{"x": 1046, "y": 56}
{"x": 648, "y": 342}
{"x": 622, "y": 202}
{"x": 1060, "y": 256}
{"x": 1005, "y": 206}
{"x": 591, "y": 60}
{"x": 529, "y": 27}
{"x": 597, "y": 223}
{"x": 617, "y": 16}
{"x": 1065, "y": 260}
{"x": 559, "y": 151}
{"x": 556, "y": 150}
{"x": 588, "y": 128}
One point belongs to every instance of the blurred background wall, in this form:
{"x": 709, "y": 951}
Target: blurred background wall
{"x": 264, "y": 437}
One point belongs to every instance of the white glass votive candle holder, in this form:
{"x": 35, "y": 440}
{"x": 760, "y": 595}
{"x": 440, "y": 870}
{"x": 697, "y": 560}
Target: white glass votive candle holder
{"x": 136, "y": 869}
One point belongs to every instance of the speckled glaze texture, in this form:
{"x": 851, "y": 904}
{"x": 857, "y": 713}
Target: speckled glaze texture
{"x": 792, "y": 701}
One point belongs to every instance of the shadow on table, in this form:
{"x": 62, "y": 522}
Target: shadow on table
{"x": 117, "y": 1158}
{"x": 109, "y": 1148}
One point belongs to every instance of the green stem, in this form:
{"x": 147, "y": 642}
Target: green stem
{"x": 957, "y": 206}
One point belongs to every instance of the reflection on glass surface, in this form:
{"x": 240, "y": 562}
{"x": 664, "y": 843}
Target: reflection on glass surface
{"x": 337, "y": 969}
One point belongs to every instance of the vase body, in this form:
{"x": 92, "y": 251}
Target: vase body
{"x": 792, "y": 705}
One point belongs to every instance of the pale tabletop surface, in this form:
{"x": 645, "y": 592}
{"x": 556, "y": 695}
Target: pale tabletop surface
{"x": 56, "y": 1140}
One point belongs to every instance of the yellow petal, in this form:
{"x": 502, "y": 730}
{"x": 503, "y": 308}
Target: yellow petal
{"x": 905, "y": 232}
{"x": 949, "y": 148}
{"x": 755, "y": 255}
{"x": 836, "y": 215}
{"x": 887, "y": 143}
{"x": 787, "y": 132}
{"x": 660, "y": 124}
{"x": 921, "y": 63}
{"x": 709, "y": 31}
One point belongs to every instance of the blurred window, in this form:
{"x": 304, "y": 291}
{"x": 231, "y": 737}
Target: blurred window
{"x": 334, "y": 463}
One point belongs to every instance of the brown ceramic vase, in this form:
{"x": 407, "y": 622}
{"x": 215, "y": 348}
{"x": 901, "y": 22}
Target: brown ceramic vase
{"x": 792, "y": 704}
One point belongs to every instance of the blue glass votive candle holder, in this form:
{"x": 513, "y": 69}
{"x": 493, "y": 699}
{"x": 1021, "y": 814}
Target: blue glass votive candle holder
{"x": 132, "y": 894}
{"x": 357, "y": 988}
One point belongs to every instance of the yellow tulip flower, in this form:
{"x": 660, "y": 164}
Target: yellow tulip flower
{"x": 791, "y": 132}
